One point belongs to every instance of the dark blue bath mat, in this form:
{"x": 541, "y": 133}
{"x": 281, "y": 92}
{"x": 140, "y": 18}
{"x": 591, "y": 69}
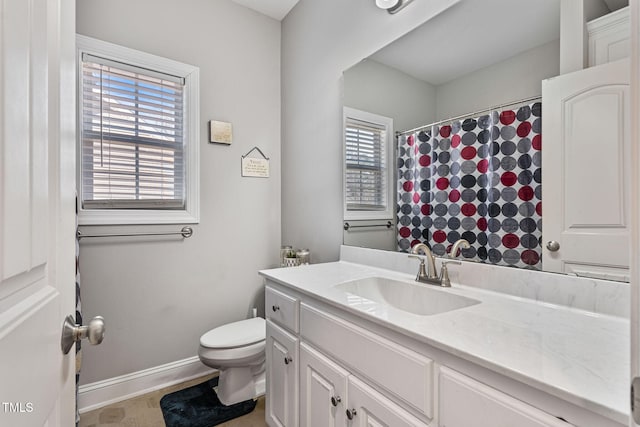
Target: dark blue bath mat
{"x": 199, "y": 406}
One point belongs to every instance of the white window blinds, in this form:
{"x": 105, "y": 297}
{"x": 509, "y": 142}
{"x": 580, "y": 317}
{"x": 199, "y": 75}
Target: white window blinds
{"x": 365, "y": 172}
{"x": 133, "y": 139}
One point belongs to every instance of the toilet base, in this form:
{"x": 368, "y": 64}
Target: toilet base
{"x": 239, "y": 384}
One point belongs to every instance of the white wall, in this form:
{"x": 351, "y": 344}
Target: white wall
{"x": 516, "y": 78}
{"x": 377, "y": 88}
{"x": 159, "y": 295}
{"x": 319, "y": 41}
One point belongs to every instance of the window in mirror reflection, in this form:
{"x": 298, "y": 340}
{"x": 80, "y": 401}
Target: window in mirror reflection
{"x": 367, "y": 172}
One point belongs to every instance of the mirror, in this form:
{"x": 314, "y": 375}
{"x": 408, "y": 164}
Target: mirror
{"x": 477, "y": 62}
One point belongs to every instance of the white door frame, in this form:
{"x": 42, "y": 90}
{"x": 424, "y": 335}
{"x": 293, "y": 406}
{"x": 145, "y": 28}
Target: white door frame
{"x": 635, "y": 192}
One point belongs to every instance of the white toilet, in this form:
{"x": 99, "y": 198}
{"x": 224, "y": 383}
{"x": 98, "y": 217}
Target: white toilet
{"x": 237, "y": 350}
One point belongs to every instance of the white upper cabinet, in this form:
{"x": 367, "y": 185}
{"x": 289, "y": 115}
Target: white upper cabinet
{"x": 609, "y": 37}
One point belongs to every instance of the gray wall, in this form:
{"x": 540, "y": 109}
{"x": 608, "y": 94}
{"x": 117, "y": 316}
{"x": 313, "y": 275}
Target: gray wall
{"x": 379, "y": 89}
{"x": 159, "y": 295}
{"x": 516, "y": 78}
{"x": 319, "y": 42}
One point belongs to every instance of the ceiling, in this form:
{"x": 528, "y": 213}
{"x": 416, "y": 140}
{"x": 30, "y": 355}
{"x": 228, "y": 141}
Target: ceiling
{"x": 277, "y": 9}
{"x": 466, "y": 38}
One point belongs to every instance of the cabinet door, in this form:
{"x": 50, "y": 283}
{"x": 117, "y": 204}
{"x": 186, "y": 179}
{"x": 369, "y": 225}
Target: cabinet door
{"x": 465, "y": 402}
{"x": 282, "y": 377}
{"x": 367, "y": 407}
{"x": 586, "y": 172}
{"x": 323, "y": 390}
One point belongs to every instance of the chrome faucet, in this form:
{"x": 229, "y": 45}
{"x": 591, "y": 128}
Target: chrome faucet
{"x": 459, "y": 244}
{"x": 430, "y": 275}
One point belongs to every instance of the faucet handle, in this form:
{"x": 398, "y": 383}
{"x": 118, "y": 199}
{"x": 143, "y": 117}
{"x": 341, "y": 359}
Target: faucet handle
{"x": 422, "y": 273}
{"x": 444, "y": 273}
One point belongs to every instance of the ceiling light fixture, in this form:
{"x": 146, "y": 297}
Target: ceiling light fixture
{"x": 392, "y": 6}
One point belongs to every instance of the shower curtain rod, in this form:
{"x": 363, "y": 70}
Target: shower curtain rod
{"x": 522, "y": 101}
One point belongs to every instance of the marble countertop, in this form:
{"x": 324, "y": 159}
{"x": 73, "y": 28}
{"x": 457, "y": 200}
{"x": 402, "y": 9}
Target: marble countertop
{"x": 577, "y": 355}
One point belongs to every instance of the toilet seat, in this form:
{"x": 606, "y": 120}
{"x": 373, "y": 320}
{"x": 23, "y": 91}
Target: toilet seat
{"x": 234, "y": 335}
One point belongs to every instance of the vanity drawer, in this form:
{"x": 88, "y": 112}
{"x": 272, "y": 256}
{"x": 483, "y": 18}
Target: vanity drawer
{"x": 402, "y": 372}
{"x": 282, "y": 309}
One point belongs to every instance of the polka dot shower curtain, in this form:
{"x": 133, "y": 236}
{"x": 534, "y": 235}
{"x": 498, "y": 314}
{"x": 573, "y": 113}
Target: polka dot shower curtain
{"x": 478, "y": 179}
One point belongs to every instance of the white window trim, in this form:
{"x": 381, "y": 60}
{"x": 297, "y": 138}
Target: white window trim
{"x": 191, "y": 74}
{"x": 387, "y": 122}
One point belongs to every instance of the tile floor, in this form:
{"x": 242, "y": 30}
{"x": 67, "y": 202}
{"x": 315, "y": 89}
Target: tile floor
{"x": 144, "y": 411}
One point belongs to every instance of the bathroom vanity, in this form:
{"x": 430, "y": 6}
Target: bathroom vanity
{"x": 350, "y": 343}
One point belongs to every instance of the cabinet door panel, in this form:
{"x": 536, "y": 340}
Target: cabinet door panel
{"x": 371, "y": 409}
{"x": 282, "y": 377}
{"x": 465, "y": 402}
{"x": 321, "y": 380}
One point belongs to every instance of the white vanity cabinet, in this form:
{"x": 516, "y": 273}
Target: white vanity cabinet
{"x": 327, "y": 367}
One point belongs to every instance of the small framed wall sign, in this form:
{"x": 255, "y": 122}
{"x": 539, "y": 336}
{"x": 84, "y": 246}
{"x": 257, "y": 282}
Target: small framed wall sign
{"x": 220, "y": 132}
{"x": 256, "y": 167}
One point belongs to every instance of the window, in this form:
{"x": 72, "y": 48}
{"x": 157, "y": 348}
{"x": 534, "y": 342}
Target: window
{"x": 138, "y": 137}
{"x": 367, "y": 172}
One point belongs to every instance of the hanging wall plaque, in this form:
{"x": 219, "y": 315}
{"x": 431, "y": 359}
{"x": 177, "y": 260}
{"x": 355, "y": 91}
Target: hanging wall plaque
{"x": 256, "y": 167}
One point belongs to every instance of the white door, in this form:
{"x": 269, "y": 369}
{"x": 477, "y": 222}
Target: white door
{"x": 368, "y": 408}
{"x": 586, "y": 172}
{"x": 281, "y": 405}
{"x": 37, "y": 160}
{"x": 323, "y": 390}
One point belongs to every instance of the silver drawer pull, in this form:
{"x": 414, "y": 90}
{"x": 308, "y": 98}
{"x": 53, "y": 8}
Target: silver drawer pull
{"x": 335, "y": 400}
{"x": 351, "y": 413}
{"x": 275, "y": 308}
{"x": 287, "y": 360}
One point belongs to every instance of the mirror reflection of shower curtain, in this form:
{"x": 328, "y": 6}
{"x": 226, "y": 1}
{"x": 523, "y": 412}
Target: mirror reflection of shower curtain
{"x": 478, "y": 179}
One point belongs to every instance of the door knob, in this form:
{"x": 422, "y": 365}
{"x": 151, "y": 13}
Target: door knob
{"x": 287, "y": 360}
{"x": 335, "y": 400}
{"x": 72, "y": 332}
{"x": 553, "y": 246}
{"x": 351, "y": 413}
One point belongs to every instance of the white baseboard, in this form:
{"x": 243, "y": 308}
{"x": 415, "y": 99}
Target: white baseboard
{"x": 96, "y": 395}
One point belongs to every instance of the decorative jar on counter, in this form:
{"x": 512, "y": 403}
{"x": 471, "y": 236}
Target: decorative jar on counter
{"x": 304, "y": 256}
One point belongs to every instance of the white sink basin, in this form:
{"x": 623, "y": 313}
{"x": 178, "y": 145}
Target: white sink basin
{"x": 414, "y": 298}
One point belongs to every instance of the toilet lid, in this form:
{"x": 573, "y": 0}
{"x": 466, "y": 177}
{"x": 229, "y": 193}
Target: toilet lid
{"x": 236, "y": 334}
